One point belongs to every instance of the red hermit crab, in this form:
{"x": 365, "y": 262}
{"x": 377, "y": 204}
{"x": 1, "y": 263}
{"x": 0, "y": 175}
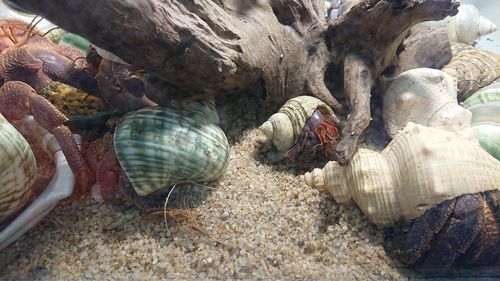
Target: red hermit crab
{"x": 29, "y": 64}
{"x": 317, "y": 139}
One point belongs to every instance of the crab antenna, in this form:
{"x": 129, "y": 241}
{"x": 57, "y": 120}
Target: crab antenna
{"x": 50, "y": 30}
{"x": 32, "y": 27}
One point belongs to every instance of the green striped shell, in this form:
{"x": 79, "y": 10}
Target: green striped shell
{"x": 485, "y": 108}
{"x": 17, "y": 169}
{"x": 159, "y": 146}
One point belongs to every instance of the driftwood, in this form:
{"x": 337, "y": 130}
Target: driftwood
{"x": 424, "y": 47}
{"x": 278, "y": 49}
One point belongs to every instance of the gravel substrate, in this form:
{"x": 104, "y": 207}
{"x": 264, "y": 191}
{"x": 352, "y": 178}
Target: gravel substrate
{"x": 261, "y": 221}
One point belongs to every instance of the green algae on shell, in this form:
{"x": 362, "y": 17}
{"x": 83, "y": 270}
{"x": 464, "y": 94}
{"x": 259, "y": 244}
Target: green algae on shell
{"x": 159, "y": 146}
{"x": 17, "y": 169}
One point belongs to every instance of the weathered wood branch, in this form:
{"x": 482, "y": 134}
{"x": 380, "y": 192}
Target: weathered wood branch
{"x": 280, "y": 49}
{"x": 363, "y": 43}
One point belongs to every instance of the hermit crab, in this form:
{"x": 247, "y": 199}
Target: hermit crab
{"x": 158, "y": 147}
{"x": 317, "y": 139}
{"x": 303, "y": 127}
{"x": 464, "y": 230}
{"x": 444, "y": 186}
{"x": 30, "y": 64}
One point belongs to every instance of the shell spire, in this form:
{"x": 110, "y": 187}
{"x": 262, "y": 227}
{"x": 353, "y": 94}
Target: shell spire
{"x": 468, "y": 25}
{"x": 284, "y": 127}
{"x": 419, "y": 169}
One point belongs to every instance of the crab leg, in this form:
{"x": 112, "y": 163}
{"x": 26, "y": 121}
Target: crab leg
{"x": 18, "y": 99}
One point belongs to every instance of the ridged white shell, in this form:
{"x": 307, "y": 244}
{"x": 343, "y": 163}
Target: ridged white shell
{"x": 17, "y": 169}
{"x": 485, "y": 108}
{"x": 159, "y": 147}
{"x": 468, "y": 25}
{"x": 428, "y": 97}
{"x": 419, "y": 169}
{"x": 284, "y": 127}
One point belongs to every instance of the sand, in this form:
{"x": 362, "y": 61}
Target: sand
{"x": 261, "y": 222}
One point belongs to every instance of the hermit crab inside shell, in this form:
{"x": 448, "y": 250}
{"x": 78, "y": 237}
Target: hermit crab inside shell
{"x": 306, "y": 128}
{"x": 159, "y": 147}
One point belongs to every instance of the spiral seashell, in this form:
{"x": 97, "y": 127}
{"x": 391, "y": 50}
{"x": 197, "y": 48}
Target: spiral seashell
{"x": 59, "y": 187}
{"x": 159, "y": 146}
{"x": 420, "y": 168}
{"x": 485, "y": 108}
{"x": 17, "y": 169}
{"x": 284, "y": 127}
{"x": 473, "y": 69}
{"x": 428, "y": 97}
{"x": 457, "y": 47}
{"x": 468, "y": 25}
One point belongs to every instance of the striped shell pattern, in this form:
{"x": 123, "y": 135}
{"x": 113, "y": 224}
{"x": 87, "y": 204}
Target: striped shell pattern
{"x": 159, "y": 147}
{"x": 17, "y": 169}
{"x": 485, "y": 108}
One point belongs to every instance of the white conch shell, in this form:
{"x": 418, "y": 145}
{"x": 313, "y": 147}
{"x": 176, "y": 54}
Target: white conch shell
{"x": 283, "y": 127}
{"x": 468, "y": 25}
{"x": 419, "y": 169}
{"x": 428, "y": 97}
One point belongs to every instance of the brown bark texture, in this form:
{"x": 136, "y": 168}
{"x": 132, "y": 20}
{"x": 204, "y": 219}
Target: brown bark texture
{"x": 277, "y": 49}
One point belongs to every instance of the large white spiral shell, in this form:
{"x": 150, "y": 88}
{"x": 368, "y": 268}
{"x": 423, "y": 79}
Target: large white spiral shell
{"x": 428, "y": 97}
{"x": 419, "y": 169}
{"x": 468, "y": 25}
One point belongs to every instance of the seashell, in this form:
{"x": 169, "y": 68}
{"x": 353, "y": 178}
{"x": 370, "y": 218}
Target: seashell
{"x": 60, "y": 186}
{"x": 468, "y": 25}
{"x": 457, "y": 47}
{"x": 473, "y": 69}
{"x": 428, "y": 97}
{"x": 71, "y": 39}
{"x": 420, "y": 168}
{"x": 17, "y": 169}
{"x": 485, "y": 108}
{"x": 284, "y": 127}
{"x": 160, "y": 146}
